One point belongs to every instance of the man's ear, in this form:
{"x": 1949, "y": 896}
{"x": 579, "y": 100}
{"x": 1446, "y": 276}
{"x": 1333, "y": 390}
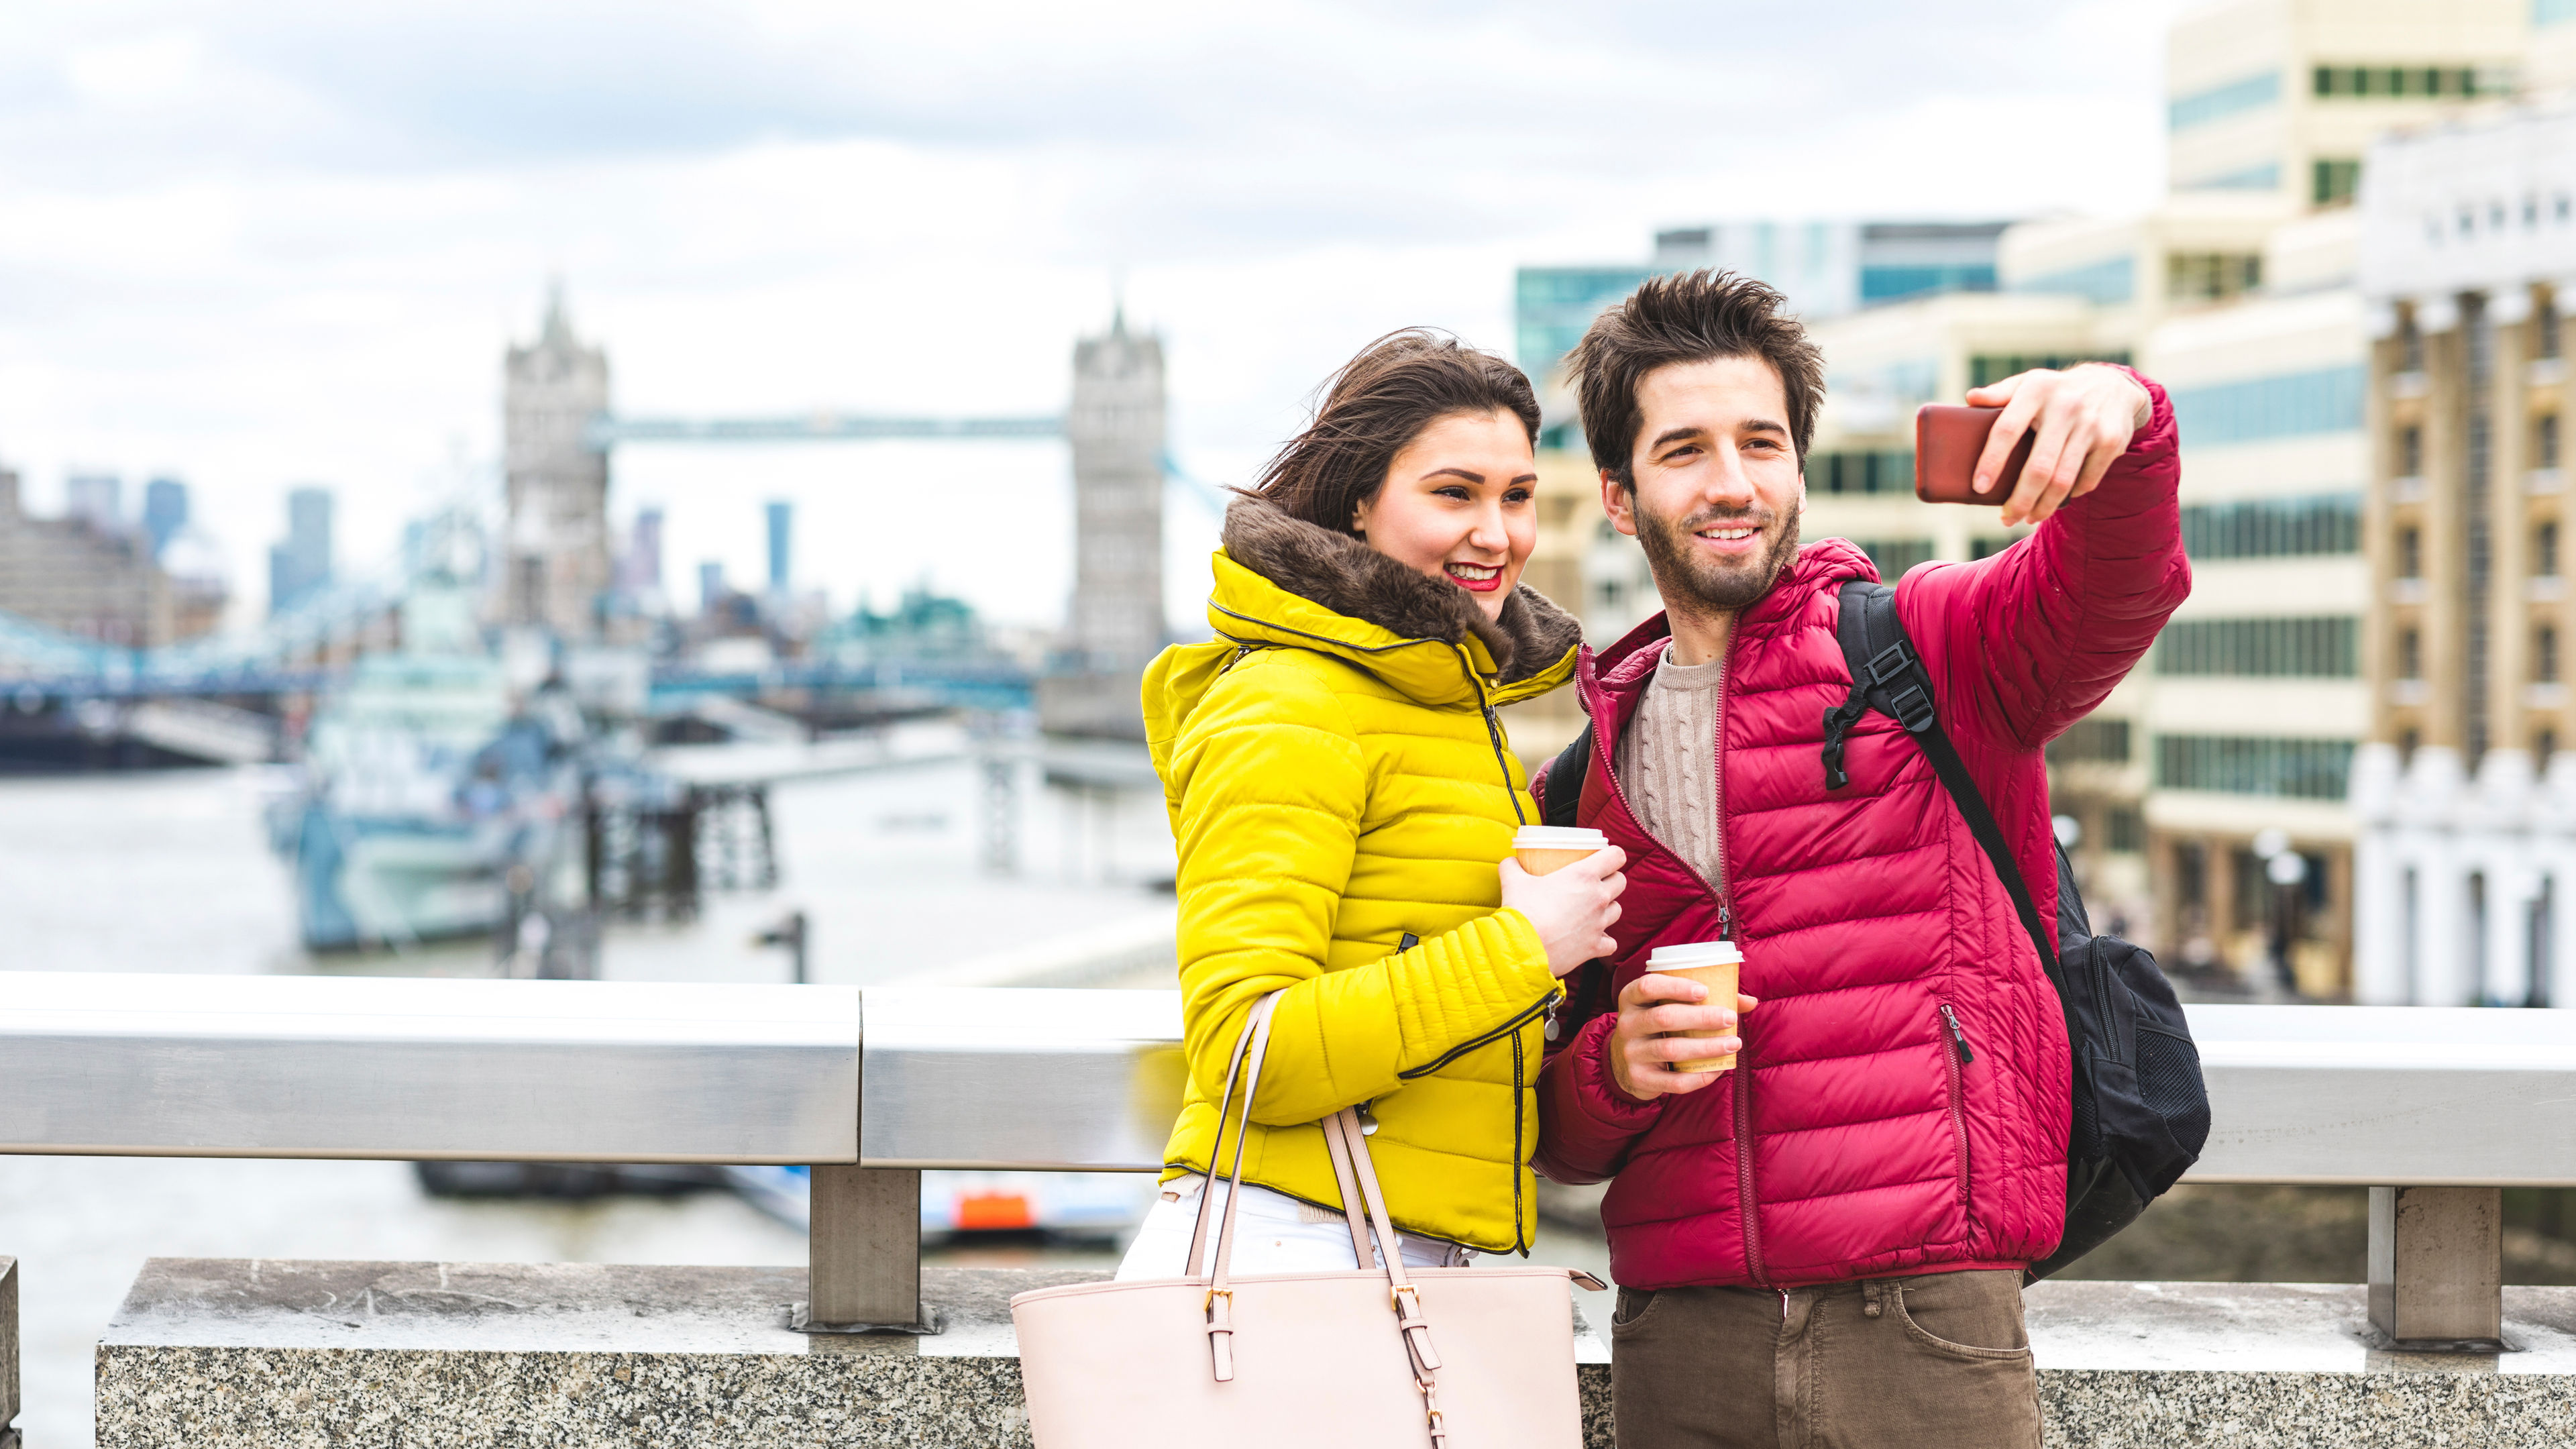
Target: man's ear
{"x": 1618, "y": 505}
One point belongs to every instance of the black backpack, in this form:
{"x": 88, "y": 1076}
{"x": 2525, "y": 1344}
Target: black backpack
{"x": 2141, "y": 1110}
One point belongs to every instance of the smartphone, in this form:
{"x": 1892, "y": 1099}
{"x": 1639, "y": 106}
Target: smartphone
{"x": 1948, "y": 441}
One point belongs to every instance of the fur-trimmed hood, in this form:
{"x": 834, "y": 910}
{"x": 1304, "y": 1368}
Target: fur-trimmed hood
{"x": 1346, "y": 576}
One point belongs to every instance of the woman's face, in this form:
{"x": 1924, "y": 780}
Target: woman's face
{"x": 1459, "y": 504}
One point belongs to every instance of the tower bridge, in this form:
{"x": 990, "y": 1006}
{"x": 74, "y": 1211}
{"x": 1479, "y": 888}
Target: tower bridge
{"x": 551, "y": 566}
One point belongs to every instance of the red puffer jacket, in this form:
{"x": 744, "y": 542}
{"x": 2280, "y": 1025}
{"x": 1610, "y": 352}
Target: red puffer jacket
{"x": 1852, "y": 1141}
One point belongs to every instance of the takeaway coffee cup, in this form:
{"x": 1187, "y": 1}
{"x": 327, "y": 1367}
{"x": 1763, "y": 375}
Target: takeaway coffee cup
{"x": 1546, "y": 848}
{"x": 1713, "y": 964}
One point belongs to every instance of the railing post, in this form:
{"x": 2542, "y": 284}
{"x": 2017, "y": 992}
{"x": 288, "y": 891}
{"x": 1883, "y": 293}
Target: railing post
{"x": 864, "y": 1250}
{"x": 8, "y": 1353}
{"x": 2437, "y": 1266}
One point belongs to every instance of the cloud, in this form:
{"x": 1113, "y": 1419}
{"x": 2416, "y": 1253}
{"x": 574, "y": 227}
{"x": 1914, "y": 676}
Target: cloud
{"x": 269, "y": 241}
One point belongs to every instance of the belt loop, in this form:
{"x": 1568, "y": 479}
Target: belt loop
{"x": 1874, "y": 1294}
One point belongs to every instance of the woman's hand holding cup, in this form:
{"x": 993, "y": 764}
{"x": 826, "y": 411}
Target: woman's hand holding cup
{"x": 1572, "y": 906}
{"x": 1656, "y": 1013}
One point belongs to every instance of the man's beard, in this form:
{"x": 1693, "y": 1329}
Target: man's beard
{"x": 1684, "y": 575}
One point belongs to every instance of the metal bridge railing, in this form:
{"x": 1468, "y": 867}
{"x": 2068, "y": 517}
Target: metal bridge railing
{"x": 2434, "y": 1109}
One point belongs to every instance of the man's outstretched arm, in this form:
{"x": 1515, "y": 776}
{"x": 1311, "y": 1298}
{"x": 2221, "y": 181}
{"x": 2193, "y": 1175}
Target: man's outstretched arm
{"x": 2025, "y": 643}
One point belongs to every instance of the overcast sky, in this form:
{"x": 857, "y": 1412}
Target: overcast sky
{"x": 259, "y": 243}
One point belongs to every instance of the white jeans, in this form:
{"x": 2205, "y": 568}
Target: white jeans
{"x": 1273, "y": 1233}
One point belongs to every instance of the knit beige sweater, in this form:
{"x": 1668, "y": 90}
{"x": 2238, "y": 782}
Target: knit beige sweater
{"x": 1668, "y": 761}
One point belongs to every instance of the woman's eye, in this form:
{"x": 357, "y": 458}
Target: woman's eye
{"x": 1453, "y": 491}
{"x": 1517, "y": 495}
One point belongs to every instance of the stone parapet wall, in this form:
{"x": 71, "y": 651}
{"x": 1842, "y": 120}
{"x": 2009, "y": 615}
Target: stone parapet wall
{"x": 215, "y": 1354}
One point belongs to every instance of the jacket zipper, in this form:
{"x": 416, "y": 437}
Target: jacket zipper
{"x": 1747, "y": 1202}
{"x": 1509, "y": 1028}
{"x": 1494, "y": 736}
{"x": 1954, "y": 1059}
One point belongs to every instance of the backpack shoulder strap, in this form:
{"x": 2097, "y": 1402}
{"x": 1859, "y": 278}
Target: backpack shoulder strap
{"x": 1557, "y": 801}
{"x": 1888, "y": 676}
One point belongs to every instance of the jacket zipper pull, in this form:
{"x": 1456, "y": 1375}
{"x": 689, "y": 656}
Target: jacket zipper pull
{"x": 1725, "y": 921}
{"x": 1958, "y": 1038}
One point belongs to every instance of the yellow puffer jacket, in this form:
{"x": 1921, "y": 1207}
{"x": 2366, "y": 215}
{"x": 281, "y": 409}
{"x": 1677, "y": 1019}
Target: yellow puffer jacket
{"x": 1340, "y": 792}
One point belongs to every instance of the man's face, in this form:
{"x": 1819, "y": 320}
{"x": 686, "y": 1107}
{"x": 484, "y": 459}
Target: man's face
{"x": 1718, "y": 486}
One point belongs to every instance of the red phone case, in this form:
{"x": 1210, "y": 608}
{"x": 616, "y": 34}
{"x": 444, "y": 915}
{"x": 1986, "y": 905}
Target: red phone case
{"x": 1947, "y": 443}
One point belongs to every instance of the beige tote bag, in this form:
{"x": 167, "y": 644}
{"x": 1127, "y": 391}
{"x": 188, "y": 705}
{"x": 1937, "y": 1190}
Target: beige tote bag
{"x": 1383, "y": 1355}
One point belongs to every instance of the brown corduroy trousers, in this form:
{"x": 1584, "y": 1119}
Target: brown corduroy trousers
{"x": 1939, "y": 1361}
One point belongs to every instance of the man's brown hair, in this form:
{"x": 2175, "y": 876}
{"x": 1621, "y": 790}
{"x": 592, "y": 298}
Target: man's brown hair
{"x": 1688, "y": 317}
{"x": 1378, "y": 403}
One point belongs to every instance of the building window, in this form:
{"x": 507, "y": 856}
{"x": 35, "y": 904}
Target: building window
{"x": 2332, "y": 183}
{"x": 2211, "y": 276}
{"x": 2254, "y": 765}
{"x": 2543, "y": 745}
{"x": 2398, "y": 82}
{"x": 2546, "y": 343}
{"x": 2218, "y": 102}
{"x": 2544, "y": 441}
{"x": 2327, "y": 400}
{"x": 2410, "y": 654}
{"x": 1883, "y": 472}
{"x": 2544, "y": 551}
{"x": 2321, "y": 647}
{"x": 1987, "y": 368}
{"x": 2319, "y": 523}
{"x": 2128, "y": 828}
{"x": 2410, "y": 451}
{"x": 2110, "y": 282}
{"x": 1894, "y": 556}
{"x": 2092, "y": 740}
{"x": 2544, "y": 655}
{"x": 2410, "y": 553}
{"x": 2410, "y": 345}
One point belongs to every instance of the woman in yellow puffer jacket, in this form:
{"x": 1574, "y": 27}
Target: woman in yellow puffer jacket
{"x": 1341, "y": 793}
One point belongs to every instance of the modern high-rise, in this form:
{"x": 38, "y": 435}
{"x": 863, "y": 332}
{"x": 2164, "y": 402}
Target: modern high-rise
{"x": 2466, "y": 787}
{"x": 301, "y": 564}
{"x": 165, "y": 511}
{"x": 1116, "y": 428}
{"x": 554, "y": 551}
{"x": 782, "y": 527}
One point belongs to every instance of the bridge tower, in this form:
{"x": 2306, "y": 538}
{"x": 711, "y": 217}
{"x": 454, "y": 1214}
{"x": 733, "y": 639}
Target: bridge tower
{"x": 555, "y": 562}
{"x": 1116, "y": 428}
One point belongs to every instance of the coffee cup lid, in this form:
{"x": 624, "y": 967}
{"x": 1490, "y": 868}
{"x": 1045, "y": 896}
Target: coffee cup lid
{"x": 1694, "y": 953}
{"x": 1559, "y": 837}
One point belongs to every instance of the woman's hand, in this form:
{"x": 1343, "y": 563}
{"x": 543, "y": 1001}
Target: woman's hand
{"x": 1643, "y": 1048}
{"x": 1572, "y": 908}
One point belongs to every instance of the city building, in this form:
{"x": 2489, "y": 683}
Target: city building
{"x": 2465, "y": 788}
{"x": 165, "y": 511}
{"x": 782, "y": 524}
{"x": 72, "y": 574}
{"x": 95, "y": 498}
{"x": 1116, "y": 427}
{"x": 2281, "y": 98}
{"x": 555, "y": 547}
{"x": 301, "y": 565}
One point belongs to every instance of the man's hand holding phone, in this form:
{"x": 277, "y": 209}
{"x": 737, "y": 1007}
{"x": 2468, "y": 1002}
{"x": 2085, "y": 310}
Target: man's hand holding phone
{"x": 2083, "y": 418}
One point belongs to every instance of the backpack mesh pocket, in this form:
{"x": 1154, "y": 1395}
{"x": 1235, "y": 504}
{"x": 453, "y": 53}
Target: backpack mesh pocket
{"x": 2169, "y": 1080}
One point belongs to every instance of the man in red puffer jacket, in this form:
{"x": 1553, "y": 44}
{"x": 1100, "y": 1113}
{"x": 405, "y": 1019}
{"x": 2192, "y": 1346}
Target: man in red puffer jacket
{"x": 1824, "y": 1246}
